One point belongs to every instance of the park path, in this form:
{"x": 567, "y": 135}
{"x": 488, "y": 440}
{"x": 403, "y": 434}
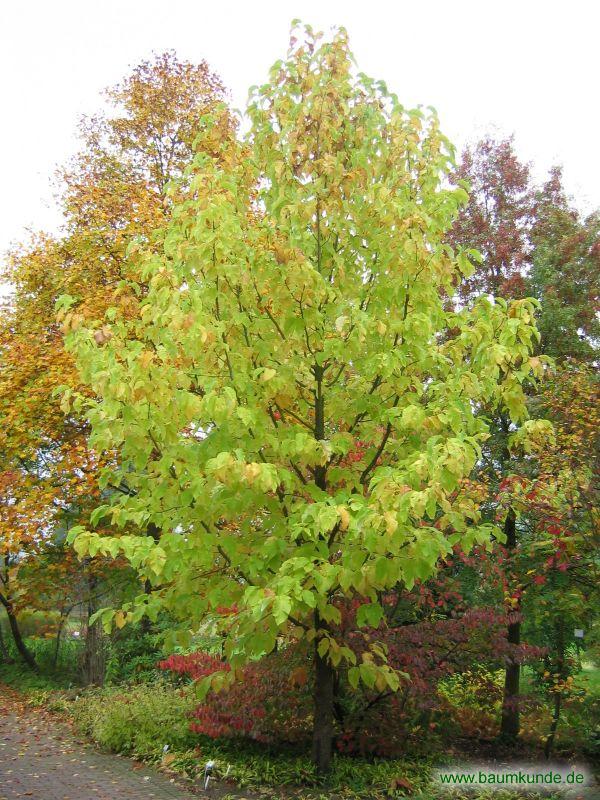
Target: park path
{"x": 40, "y": 758}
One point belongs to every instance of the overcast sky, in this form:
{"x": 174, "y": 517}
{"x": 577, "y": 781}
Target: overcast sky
{"x": 528, "y": 68}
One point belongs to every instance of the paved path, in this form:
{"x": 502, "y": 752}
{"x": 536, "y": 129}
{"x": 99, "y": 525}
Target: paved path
{"x": 41, "y": 759}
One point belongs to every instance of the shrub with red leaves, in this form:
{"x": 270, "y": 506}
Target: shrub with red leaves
{"x": 269, "y": 703}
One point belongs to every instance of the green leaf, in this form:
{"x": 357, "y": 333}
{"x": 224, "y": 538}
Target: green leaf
{"x": 368, "y": 673}
{"x": 354, "y": 677}
{"x": 282, "y": 607}
{"x": 323, "y": 646}
{"x": 369, "y": 614}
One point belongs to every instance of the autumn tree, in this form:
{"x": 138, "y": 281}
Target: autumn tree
{"x": 294, "y": 308}
{"x": 497, "y": 218}
{"x": 565, "y": 274}
{"x": 497, "y": 222}
{"x": 114, "y": 189}
{"x": 533, "y": 241}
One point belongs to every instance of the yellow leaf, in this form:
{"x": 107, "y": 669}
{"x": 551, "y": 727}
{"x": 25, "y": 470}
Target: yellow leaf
{"x": 391, "y": 523}
{"x": 251, "y": 472}
{"x": 267, "y": 374}
{"x": 344, "y": 517}
{"x": 146, "y": 359}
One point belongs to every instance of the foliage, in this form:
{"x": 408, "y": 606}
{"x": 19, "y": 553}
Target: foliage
{"x": 269, "y": 703}
{"x": 308, "y": 406}
{"x": 250, "y": 764}
{"x": 44, "y": 648}
{"x": 112, "y": 190}
{"x": 137, "y": 720}
{"x": 565, "y": 274}
{"x": 473, "y": 701}
{"x": 48, "y": 677}
{"x": 294, "y": 315}
{"x": 145, "y": 718}
{"x": 132, "y": 656}
{"x": 497, "y": 218}
{"x": 540, "y": 481}
{"x": 533, "y": 241}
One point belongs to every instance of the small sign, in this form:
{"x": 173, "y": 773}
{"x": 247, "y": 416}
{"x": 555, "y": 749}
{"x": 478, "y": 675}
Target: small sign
{"x": 578, "y": 633}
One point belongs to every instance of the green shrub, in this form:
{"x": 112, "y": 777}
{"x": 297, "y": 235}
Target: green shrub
{"x": 132, "y": 656}
{"x": 477, "y": 688}
{"x": 21, "y": 677}
{"x": 137, "y": 720}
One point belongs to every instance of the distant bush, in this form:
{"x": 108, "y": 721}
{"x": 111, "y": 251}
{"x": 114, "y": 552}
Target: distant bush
{"x": 67, "y": 667}
{"x": 38, "y": 623}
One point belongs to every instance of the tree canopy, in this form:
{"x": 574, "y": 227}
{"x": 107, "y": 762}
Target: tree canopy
{"x": 293, "y": 402}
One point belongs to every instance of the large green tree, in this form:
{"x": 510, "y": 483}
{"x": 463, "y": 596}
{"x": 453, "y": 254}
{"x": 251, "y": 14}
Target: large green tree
{"x": 293, "y": 401}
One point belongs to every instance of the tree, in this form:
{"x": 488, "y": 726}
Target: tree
{"x": 114, "y": 189}
{"x": 294, "y": 313}
{"x": 498, "y": 220}
{"x": 565, "y": 274}
{"x": 498, "y": 217}
{"x": 554, "y": 576}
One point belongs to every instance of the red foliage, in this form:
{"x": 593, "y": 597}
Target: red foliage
{"x": 428, "y": 635}
{"x": 269, "y": 703}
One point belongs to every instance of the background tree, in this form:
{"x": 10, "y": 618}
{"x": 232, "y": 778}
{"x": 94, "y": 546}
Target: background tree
{"x": 565, "y": 274}
{"x": 113, "y": 190}
{"x": 533, "y": 242}
{"x": 497, "y": 219}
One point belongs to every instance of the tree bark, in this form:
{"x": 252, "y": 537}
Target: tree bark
{"x": 93, "y": 657}
{"x": 560, "y": 669}
{"x": 509, "y": 728}
{"x": 24, "y": 652}
{"x": 323, "y": 697}
{"x": 59, "y": 631}
{"x": 3, "y": 649}
{"x": 324, "y": 678}
{"x": 145, "y": 623}
{"x": 510, "y": 722}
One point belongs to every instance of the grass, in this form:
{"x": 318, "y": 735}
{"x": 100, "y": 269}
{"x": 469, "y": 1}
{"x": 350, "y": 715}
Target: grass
{"x": 20, "y": 676}
{"x": 48, "y": 678}
{"x": 589, "y": 678}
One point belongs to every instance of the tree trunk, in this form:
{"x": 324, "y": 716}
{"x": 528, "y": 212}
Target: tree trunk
{"x": 555, "y": 719}
{"x": 323, "y": 697}
{"x": 324, "y": 680}
{"x": 59, "y": 631}
{"x": 145, "y": 623}
{"x": 24, "y": 652}
{"x": 509, "y": 728}
{"x": 560, "y": 668}
{"x": 93, "y": 657}
{"x": 3, "y": 650}
{"x": 510, "y": 722}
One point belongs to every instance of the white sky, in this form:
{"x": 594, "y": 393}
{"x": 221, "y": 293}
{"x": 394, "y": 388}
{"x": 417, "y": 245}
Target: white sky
{"x": 529, "y": 68}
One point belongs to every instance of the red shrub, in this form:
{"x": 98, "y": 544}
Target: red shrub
{"x": 270, "y": 703}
